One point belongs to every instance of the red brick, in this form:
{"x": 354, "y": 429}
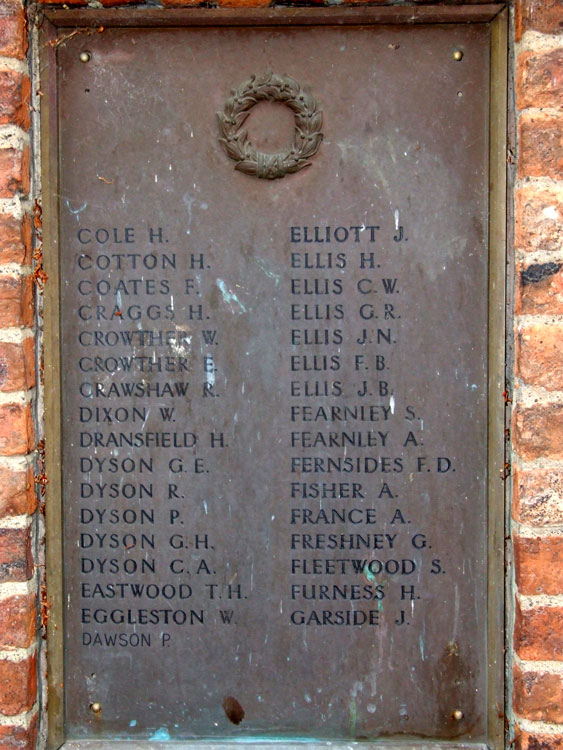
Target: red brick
{"x": 540, "y": 145}
{"x": 220, "y": 3}
{"x": 242, "y": 3}
{"x": 16, "y": 429}
{"x": 538, "y": 565}
{"x": 14, "y": 172}
{"x": 538, "y": 219}
{"x": 15, "y": 239}
{"x": 538, "y": 696}
{"x": 13, "y": 37}
{"x": 18, "y": 685}
{"x": 539, "y": 355}
{"x": 538, "y": 431}
{"x": 16, "y": 561}
{"x": 539, "y": 79}
{"x": 111, "y": 3}
{"x": 28, "y": 347}
{"x": 181, "y": 3}
{"x": 538, "y": 497}
{"x": 17, "y": 492}
{"x": 538, "y": 15}
{"x": 18, "y": 621}
{"x": 17, "y": 370}
{"x": 538, "y": 633}
{"x": 535, "y": 741}
{"x": 16, "y": 301}
{"x": 19, "y": 738}
{"x": 539, "y": 288}
{"x": 15, "y": 91}
{"x": 63, "y": 2}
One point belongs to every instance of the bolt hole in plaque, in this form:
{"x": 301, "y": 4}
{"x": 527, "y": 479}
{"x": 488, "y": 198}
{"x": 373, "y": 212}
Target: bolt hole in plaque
{"x": 275, "y": 390}
{"x": 233, "y": 710}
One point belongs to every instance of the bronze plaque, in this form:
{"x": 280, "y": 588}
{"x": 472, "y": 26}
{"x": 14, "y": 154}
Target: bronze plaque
{"x": 274, "y": 336}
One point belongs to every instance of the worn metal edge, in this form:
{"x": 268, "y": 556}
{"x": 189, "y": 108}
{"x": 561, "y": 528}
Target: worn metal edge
{"x": 52, "y": 370}
{"x": 286, "y": 16}
{"x": 511, "y": 281}
{"x": 260, "y": 744}
{"x": 497, "y": 359}
{"x": 52, "y": 19}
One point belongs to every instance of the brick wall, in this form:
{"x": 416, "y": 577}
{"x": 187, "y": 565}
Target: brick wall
{"x": 18, "y": 579}
{"x": 537, "y": 432}
{"x": 538, "y": 387}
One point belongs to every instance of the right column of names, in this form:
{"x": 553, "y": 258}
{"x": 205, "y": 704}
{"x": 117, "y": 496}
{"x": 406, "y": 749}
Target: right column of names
{"x": 359, "y": 555}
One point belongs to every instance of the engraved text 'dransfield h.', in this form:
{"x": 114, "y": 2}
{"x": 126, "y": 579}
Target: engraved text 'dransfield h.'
{"x": 308, "y": 121}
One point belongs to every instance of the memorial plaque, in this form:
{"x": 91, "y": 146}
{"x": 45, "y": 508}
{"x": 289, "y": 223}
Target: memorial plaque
{"x": 274, "y": 332}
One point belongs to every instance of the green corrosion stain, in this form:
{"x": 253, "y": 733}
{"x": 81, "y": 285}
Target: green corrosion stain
{"x": 161, "y": 735}
{"x": 369, "y": 575}
{"x": 353, "y": 712}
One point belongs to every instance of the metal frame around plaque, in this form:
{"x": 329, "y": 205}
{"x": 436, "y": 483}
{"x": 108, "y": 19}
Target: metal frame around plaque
{"x": 53, "y": 26}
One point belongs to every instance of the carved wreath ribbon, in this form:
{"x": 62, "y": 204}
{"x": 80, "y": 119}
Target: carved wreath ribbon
{"x": 308, "y": 121}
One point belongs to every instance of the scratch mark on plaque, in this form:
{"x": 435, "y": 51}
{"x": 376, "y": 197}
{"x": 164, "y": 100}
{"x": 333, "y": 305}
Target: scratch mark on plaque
{"x": 188, "y": 200}
{"x": 147, "y": 412}
{"x": 357, "y": 687}
{"x": 392, "y": 404}
{"x": 396, "y": 219}
{"x": 269, "y": 274}
{"x": 421, "y": 646}
{"x": 230, "y": 297}
{"x": 76, "y": 211}
{"x": 372, "y": 678}
{"x": 210, "y": 372}
{"x": 456, "y": 611}
{"x": 133, "y": 723}
{"x": 181, "y": 347}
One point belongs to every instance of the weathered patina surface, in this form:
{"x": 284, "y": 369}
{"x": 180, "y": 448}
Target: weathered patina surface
{"x": 275, "y": 391}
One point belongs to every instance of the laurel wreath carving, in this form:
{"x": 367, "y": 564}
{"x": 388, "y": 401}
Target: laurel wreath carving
{"x": 308, "y": 122}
